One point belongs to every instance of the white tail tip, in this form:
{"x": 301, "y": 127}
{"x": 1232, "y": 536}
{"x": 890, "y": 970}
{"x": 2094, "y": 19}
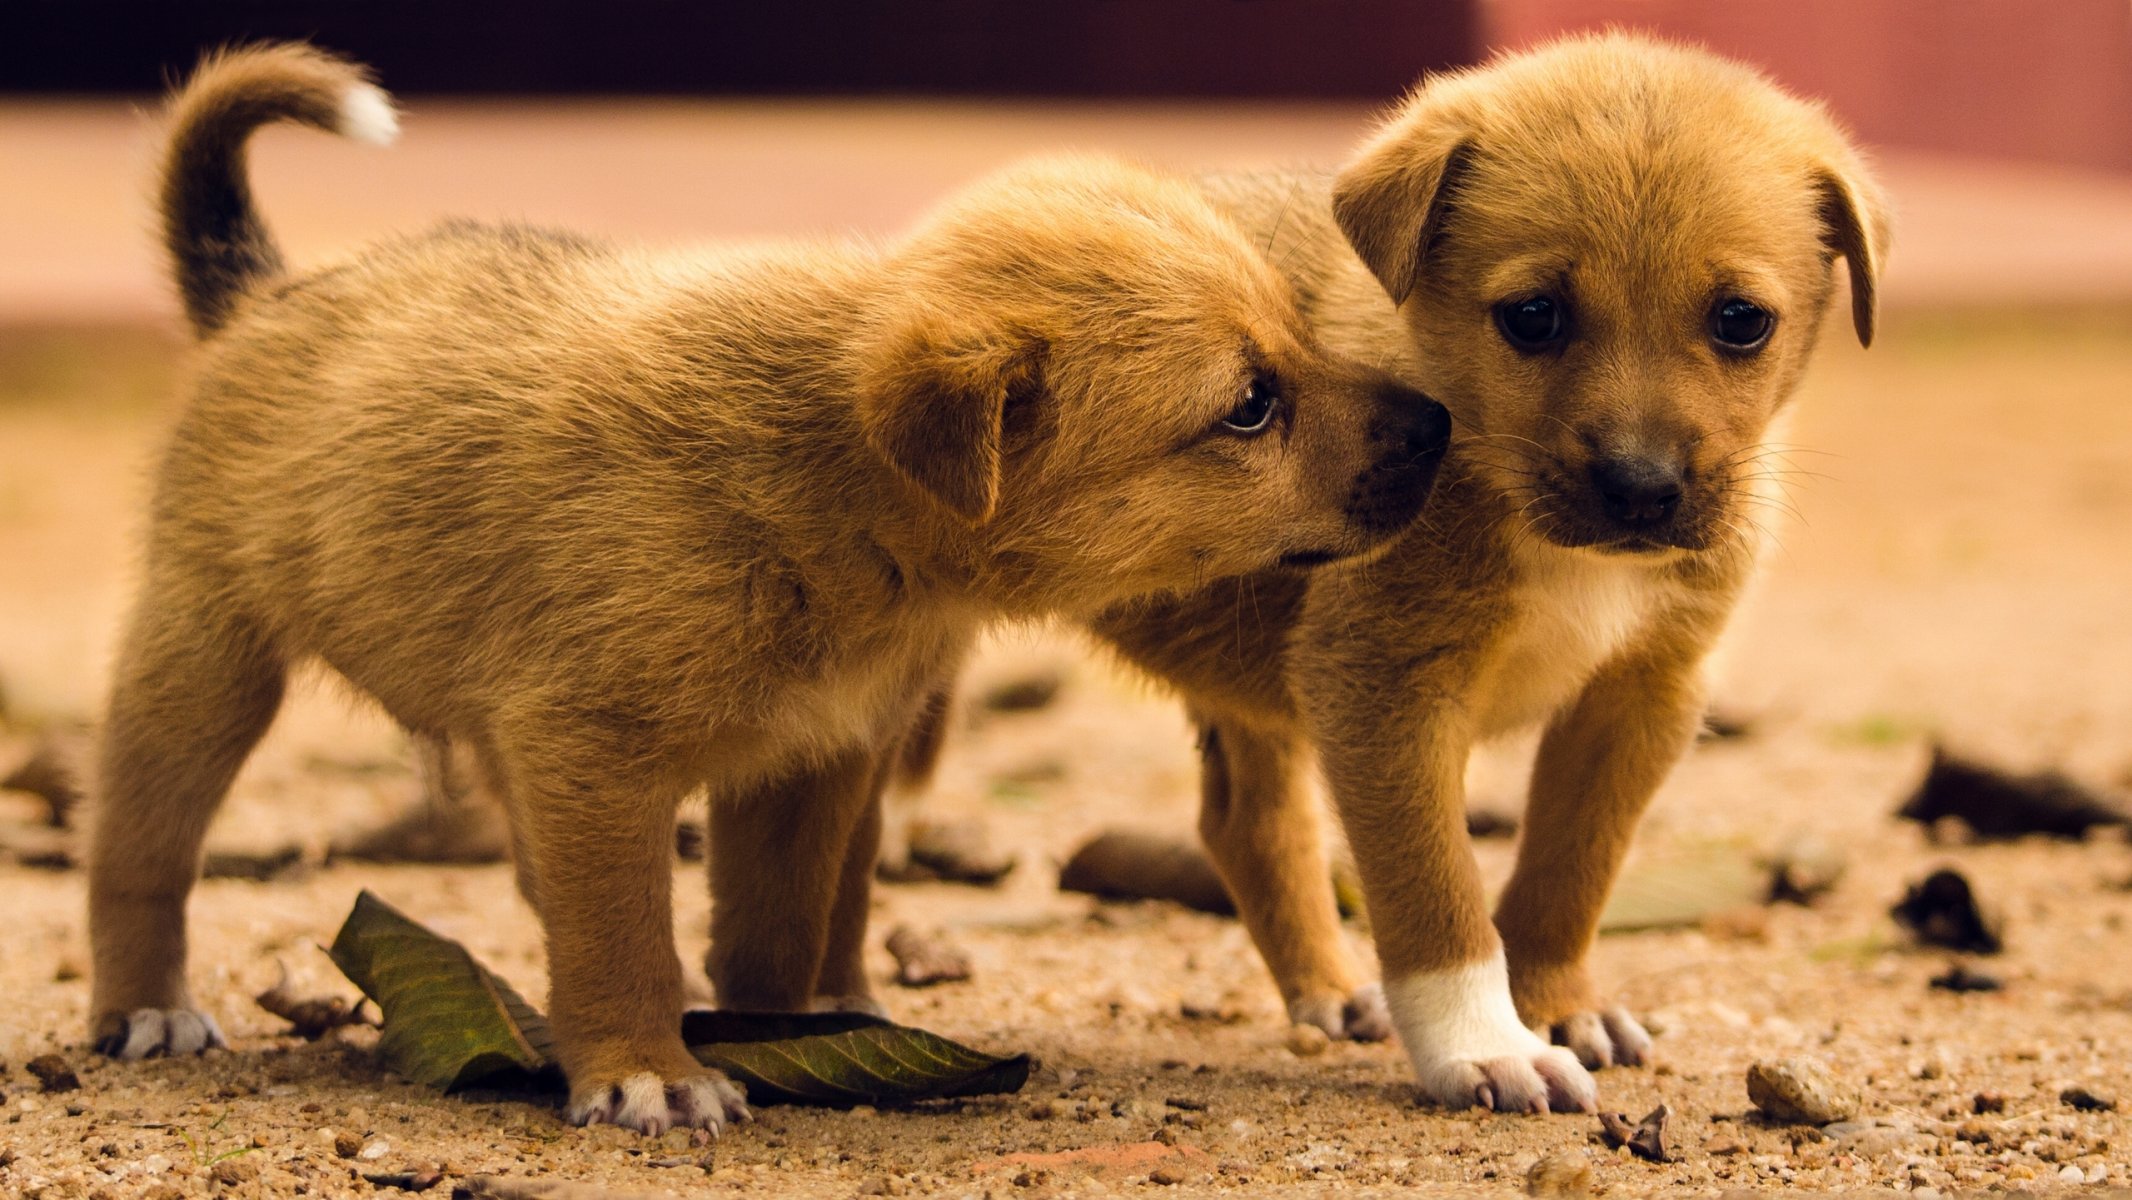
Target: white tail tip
{"x": 367, "y": 116}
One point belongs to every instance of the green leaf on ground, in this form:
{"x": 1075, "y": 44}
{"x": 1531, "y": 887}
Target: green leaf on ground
{"x": 448, "y": 1021}
{"x": 841, "y": 1059}
{"x": 1680, "y": 889}
{"x": 452, "y": 1023}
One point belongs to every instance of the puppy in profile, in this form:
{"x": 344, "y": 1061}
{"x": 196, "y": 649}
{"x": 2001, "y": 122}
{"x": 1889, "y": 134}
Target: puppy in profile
{"x": 1610, "y": 258}
{"x": 629, "y": 523}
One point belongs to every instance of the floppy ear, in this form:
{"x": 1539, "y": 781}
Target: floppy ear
{"x": 1855, "y": 215}
{"x": 1391, "y": 200}
{"x": 933, "y": 400}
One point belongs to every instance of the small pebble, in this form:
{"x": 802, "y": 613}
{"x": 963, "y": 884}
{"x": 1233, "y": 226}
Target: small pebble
{"x": 1560, "y": 1175}
{"x": 347, "y": 1143}
{"x": 1800, "y": 1091}
{"x": 1166, "y": 1176}
{"x": 1307, "y": 1041}
{"x": 1988, "y": 1102}
{"x": 1724, "y": 1145}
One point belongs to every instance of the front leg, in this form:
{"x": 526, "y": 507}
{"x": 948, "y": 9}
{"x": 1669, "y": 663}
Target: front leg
{"x": 598, "y": 849}
{"x": 1598, "y": 766}
{"x": 1395, "y": 755}
{"x": 779, "y": 856}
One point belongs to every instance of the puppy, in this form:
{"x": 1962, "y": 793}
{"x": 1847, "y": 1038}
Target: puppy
{"x": 631, "y": 523}
{"x": 1610, "y": 258}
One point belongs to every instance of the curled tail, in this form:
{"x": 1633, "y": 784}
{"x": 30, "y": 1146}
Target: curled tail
{"x": 218, "y": 247}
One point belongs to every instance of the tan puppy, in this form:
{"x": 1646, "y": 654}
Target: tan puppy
{"x": 628, "y": 524}
{"x": 1610, "y": 258}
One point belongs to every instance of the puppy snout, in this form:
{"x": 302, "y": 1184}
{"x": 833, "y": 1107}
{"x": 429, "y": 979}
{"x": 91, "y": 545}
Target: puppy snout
{"x": 1637, "y": 492}
{"x": 1409, "y": 435}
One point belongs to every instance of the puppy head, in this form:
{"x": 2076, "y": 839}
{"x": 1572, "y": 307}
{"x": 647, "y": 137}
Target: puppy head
{"x": 1089, "y": 371}
{"x": 1613, "y": 256}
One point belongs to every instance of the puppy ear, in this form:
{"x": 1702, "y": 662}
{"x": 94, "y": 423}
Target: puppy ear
{"x": 1391, "y": 200}
{"x": 933, "y": 402}
{"x": 1855, "y": 215}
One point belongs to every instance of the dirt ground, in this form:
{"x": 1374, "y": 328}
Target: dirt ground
{"x": 1959, "y": 570}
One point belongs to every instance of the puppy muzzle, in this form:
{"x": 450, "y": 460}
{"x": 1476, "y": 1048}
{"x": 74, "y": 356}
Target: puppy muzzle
{"x": 1410, "y": 434}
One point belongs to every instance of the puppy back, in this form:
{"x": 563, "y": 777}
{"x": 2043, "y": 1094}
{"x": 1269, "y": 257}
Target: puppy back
{"x": 219, "y": 248}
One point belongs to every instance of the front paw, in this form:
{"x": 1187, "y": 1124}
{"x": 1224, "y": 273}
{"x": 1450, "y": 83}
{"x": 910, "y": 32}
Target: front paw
{"x": 1535, "y": 1079}
{"x": 1360, "y": 1017}
{"x": 651, "y": 1103}
{"x": 1608, "y": 1037}
{"x": 155, "y": 1032}
{"x": 1469, "y": 1048}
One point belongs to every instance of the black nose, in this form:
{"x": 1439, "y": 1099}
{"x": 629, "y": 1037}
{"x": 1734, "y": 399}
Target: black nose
{"x": 1410, "y": 433}
{"x": 1637, "y": 492}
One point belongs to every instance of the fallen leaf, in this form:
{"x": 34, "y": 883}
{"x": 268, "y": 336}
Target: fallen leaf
{"x": 1678, "y": 891}
{"x": 309, "y": 1017}
{"x": 2086, "y": 1101}
{"x": 1959, "y": 978}
{"x": 1943, "y": 910}
{"x": 447, "y": 1021}
{"x": 1995, "y": 803}
{"x": 508, "y": 1187}
{"x": 53, "y": 1074}
{"x": 451, "y": 1023}
{"x": 843, "y": 1059}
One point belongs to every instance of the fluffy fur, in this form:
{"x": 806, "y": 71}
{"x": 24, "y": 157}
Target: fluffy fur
{"x": 1640, "y": 185}
{"x": 628, "y": 523}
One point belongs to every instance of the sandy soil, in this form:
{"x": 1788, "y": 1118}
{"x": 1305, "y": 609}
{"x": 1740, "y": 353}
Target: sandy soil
{"x": 1961, "y": 569}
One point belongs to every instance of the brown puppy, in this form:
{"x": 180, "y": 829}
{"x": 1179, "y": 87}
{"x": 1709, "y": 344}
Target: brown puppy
{"x": 1610, "y": 258}
{"x": 628, "y": 524}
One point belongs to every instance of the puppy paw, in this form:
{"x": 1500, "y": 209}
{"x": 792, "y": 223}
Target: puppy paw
{"x": 652, "y": 1105}
{"x": 156, "y": 1032}
{"x": 1541, "y": 1080}
{"x": 1469, "y": 1048}
{"x": 1361, "y": 1017}
{"x": 1609, "y": 1037}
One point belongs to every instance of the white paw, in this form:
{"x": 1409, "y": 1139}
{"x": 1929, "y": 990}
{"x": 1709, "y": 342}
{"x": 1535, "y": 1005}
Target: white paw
{"x": 1607, "y": 1038}
{"x": 1468, "y": 1047}
{"x": 155, "y": 1032}
{"x": 1362, "y": 1017}
{"x": 648, "y": 1104}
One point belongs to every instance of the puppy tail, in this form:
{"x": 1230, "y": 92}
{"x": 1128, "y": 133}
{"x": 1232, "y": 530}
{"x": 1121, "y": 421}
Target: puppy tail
{"x": 218, "y": 247}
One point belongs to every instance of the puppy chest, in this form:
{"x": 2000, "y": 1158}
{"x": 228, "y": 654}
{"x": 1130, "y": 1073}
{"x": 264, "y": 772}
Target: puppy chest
{"x": 1571, "y": 618}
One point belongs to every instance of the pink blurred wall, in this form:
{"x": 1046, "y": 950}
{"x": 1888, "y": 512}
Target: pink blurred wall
{"x": 2047, "y": 80}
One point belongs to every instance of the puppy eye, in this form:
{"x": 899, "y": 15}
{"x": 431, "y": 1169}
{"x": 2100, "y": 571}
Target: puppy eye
{"x": 1533, "y": 324}
{"x": 1741, "y": 326}
{"x": 1254, "y": 411}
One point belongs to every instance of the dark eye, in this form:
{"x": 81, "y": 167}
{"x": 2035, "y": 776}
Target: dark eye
{"x": 1740, "y": 326}
{"x": 1532, "y": 324}
{"x": 1254, "y": 411}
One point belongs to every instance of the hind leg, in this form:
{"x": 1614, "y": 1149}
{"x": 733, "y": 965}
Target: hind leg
{"x": 195, "y": 690}
{"x": 1263, "y": 831}
{"x": 780, "y": 869}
